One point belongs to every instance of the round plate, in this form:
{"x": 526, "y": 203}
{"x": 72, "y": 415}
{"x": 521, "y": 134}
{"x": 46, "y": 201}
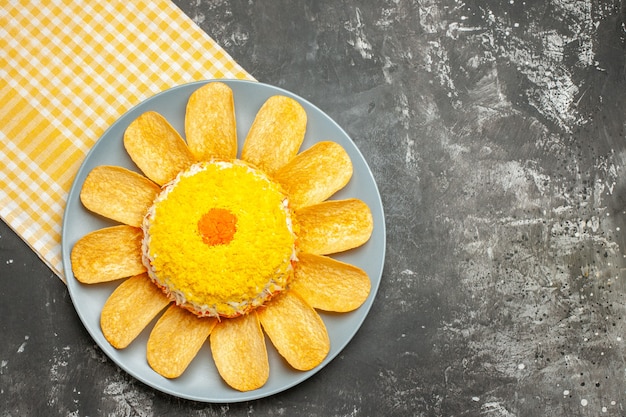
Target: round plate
{"x": 201, "y": 381}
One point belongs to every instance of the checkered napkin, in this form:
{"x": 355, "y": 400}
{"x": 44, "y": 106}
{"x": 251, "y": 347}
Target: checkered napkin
{"x": 69, "y": 69}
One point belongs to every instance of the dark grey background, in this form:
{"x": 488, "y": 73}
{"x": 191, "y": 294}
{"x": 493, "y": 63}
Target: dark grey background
{"x": 495, "y": 131}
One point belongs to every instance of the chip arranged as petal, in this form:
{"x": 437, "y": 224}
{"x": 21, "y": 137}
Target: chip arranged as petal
{"x": 276, "y": 134}
{"x": 334, "y": 226}
{"x": 130, "y": 308}
{"x": 118, "y": 194}
{"x": 315, "y": 174}
{"x": 330, "y": 285}
{"x": 108, "y": 254}
{"x": 296, "y": 330}
{"x": 210, "y": 125}
{"x": 176, "y": 339}
{"x": 239, "y": 351}
{"x": 157, "y": 148}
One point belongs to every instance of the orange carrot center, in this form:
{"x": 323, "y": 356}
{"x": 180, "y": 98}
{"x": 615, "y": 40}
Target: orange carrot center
{"x": 217, "y": 227}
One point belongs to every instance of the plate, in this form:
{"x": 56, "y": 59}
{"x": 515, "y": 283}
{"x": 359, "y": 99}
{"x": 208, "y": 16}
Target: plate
{"x": 201, "y": 381}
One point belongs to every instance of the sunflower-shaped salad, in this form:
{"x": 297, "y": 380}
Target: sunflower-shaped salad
{"x": 222, "y": 248}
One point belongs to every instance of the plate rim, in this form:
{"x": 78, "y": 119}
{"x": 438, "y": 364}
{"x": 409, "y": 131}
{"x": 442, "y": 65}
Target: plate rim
{"x": 72, "y": 283}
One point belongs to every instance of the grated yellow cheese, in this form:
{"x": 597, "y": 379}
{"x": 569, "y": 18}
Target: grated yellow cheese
{"x": 222, "y": 279}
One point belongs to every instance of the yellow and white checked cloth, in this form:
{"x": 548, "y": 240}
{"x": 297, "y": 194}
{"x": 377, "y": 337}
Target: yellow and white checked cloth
{"x": 68, "y": 69}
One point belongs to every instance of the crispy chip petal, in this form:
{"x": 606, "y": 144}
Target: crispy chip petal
{"x": 334, "y": 226}
{"x": 315, "y": 174}
{"x": 118, "y": 194}
{"x": 276, "y": 134}
{"x": 129, "y": 309}
{"x": 296, "y": 330}
{"x": 157, "y": 148}
{"x": 176, "y": 339}
{"x": 108, "y": 254}
{"x": 239, "y": 351}
{"x": 210, "y": 126}
{"x": 330, "y": 285}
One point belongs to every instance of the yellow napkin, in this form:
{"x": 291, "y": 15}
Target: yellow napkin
{"x": 68, "y": 69}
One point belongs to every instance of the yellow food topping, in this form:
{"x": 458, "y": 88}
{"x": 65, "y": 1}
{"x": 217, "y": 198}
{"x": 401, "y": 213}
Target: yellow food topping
{"x": 218, "y": 239}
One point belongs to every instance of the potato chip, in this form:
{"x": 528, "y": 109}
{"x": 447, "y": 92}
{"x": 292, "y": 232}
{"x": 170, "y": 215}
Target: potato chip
{"x": 276, "y": 134}
{"x": 176, "y": 339}
{"x": 330, "y": 285}
{"x": 210, "y": 126}
{"x": 315, "y": 174}
{"x": 118, "y": 194}
{"x": 130, "y": 308}
{"x": 157, "y": 148}
{"x": 108, "y": 254}
{"x": 334, "y": 226}
{"x": 239, "y": 351}
{"x": 296, "y": 330}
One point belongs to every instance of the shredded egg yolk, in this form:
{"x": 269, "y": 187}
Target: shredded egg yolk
{"x": 219, "y": 239}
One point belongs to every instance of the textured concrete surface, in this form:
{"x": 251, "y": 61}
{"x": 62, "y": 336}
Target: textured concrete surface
{"x": 496, "y": 133}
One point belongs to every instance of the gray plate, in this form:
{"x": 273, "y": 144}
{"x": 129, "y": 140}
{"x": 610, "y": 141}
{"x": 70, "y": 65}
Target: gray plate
{"x": 201, "y": 382}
